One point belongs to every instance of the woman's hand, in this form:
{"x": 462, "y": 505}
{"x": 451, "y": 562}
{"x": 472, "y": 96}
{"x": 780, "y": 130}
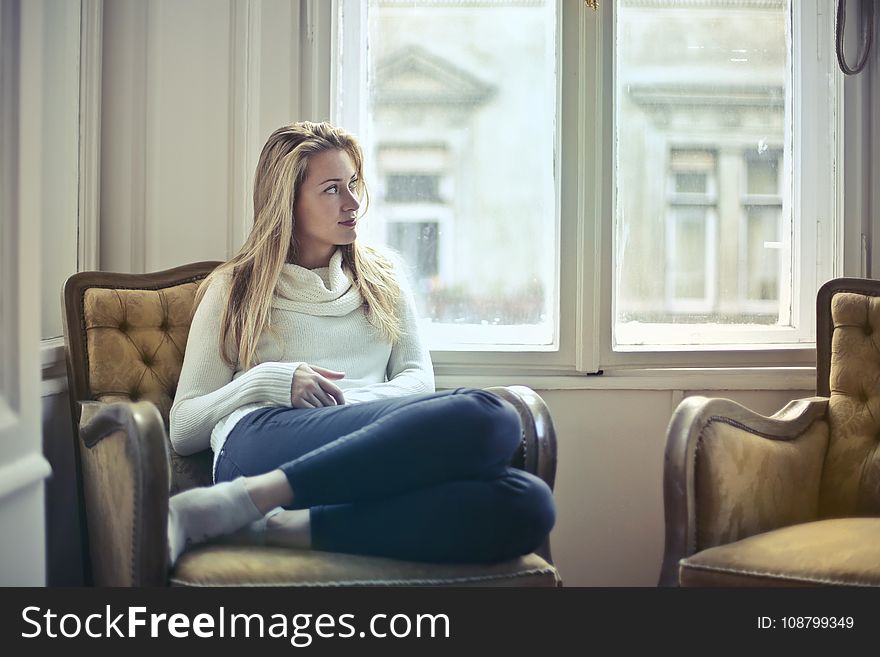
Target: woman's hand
{"x": 312, "y": 387}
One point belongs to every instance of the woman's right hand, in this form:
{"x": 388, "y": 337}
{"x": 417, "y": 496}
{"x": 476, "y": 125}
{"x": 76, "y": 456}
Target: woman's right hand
{"x": 312, "y": 387}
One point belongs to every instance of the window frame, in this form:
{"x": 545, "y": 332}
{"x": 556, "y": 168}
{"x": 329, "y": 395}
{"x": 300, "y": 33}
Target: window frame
{"x": 585, "y": 223}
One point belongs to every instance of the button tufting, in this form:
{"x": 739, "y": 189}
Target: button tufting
{"x": 123, "y": 326}
{"x": 869, "y": 330}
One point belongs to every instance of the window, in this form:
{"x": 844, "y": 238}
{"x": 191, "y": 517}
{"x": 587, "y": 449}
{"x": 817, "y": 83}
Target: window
{"x": 712, "y": 92}
{"x": 456, "y": 109}
{"x": 653, "y": 184}
{"x": 691, "y": 233}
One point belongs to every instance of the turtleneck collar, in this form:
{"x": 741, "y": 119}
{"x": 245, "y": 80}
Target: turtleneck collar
{"x": 325, "y": 291}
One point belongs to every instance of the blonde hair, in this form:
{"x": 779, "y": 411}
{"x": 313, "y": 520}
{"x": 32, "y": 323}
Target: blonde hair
{"x": 255, "y": 269}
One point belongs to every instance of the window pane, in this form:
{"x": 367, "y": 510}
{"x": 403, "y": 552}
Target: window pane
{"x": 694, "y": 183}
{"x": 701, "y": 138}
{"x": 459, "y": 136}
{"x": 419, "y": 240}
{"x": 412, "y": 187}
{"x": 688, "y": 254}
{"x": 763, "y": 175}
{"x": 762, "y": 271}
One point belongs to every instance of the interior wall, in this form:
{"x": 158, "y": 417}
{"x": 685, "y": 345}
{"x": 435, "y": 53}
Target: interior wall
{"x": 188, "y": 100}
{"x": 191, "y": 91}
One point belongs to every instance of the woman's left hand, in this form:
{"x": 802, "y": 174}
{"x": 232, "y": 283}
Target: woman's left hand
{"x": 312, "y": 387}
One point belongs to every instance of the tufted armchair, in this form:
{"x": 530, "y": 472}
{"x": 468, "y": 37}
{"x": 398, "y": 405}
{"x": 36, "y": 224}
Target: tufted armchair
{"x": 125, "y": 336}
{"x": 792, "y": 499}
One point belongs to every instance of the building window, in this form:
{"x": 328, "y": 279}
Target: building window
{"x": 413, "y": 188}
{"x": 691, "y": 232}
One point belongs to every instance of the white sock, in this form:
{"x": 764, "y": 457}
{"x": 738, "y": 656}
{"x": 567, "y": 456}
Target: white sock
{"x": 252, "y": 534}
{"x": 200, "y": 514}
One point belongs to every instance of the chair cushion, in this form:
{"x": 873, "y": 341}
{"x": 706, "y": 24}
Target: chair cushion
{"x": 839, "y": 552}
{"x": 244, "y": 565}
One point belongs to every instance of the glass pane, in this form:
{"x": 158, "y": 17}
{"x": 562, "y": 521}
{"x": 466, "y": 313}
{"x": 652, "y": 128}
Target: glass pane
{"x": 701, "y": 123}
{"x": 762, "y": 272}
{"x": 453, "y": 87}
{"x": 762, "y": 175}
{"x": 412, "y": 187}
{"x": 419, "y": 241}
{"x": 690, "y": 183}
{"x": 688, "y": 261}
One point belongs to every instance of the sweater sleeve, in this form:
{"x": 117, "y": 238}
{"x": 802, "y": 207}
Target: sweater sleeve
{"x": 409, "y": 370}
{"x": 208, "y": 390}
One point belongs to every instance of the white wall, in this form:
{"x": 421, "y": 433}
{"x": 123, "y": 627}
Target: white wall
{"x": 191, "y": 92}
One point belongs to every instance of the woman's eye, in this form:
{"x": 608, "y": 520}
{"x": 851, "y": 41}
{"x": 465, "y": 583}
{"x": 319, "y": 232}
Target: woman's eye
{"x": 353, "y": 185}
{"x": 332, "y": 189}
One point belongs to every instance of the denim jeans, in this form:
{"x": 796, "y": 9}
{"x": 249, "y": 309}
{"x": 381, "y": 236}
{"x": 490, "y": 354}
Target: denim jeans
{"x": 421, "y": 477}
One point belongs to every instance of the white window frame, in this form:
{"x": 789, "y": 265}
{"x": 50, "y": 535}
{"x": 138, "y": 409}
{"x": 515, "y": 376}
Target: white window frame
{"x": 584, "y": 201}
{"x": 817, "y": 191}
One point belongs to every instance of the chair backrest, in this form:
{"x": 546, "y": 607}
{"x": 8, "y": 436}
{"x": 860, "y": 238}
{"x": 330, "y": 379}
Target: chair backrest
{"x": 125, "y": 336}
{"x": 848, "y": 372}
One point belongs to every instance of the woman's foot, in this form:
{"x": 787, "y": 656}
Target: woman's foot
{"x": 200, "y": 514}
{"x": 290, "y": 529}
{"x": 253, "y": 534}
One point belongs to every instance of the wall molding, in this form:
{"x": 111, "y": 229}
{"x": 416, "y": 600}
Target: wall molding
{"x": 9, "y": 190}
{"x": 317, "y": 41}
{"x": 143, "y": 110}
{"x": 244, "y": 100}
{"x": 23, "y": 472}
{"x": 91, "y": 52}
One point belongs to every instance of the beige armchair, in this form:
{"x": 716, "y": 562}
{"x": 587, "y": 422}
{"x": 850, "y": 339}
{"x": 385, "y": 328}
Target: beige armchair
{"x": 125, "y": 337}
{"x": 792, "y": 499}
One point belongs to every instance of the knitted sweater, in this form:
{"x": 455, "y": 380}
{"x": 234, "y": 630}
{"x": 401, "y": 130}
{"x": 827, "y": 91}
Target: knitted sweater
{"x": 316, "y": 318}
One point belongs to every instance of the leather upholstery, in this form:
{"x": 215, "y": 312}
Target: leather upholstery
{"x": 793, "y": 499}
{"x": 783, "y": 488}
{"x": 240, "y": 565}
{"x": 851, "y": 477}
{"x": 136, "y": 341}
{"x": 840, "y": 552}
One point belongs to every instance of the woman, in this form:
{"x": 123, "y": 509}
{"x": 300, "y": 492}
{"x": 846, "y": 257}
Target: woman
{"x": 305, "y": 373}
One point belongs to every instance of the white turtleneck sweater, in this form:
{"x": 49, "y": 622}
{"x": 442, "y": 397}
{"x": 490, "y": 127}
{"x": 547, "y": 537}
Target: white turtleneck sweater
{"x": 316, "y": 318}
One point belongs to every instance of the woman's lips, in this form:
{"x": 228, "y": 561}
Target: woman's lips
{"x": 350, "y": 223}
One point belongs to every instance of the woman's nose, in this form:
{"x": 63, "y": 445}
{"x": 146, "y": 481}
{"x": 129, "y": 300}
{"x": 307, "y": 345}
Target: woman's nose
{"x": 352, "y": 202}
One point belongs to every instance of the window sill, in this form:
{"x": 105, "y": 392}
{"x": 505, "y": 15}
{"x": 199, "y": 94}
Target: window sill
{"x": 694, "y": 378}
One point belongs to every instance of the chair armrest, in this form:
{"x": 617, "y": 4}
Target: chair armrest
{"x": 730, "y": 473}
{"x": 125, "y": 489}
{"x": 537, "y": 453}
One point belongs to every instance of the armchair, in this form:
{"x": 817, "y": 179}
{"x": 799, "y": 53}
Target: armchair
{"x": 125, "y": 336}
{"x": 792, "y": 499}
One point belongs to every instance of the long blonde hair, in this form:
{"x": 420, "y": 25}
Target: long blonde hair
{"x": 255, "y": 269}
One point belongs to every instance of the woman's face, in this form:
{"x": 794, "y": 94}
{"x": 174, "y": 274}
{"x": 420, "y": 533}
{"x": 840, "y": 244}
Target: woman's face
{"x": 326, "y": 207}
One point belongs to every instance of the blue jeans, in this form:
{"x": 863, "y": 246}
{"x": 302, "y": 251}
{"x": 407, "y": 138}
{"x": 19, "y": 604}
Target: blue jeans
{"x": 421, "y": 478}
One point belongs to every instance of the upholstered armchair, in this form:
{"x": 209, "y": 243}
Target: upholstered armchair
{"x": 792, "y": 499}
{"x": 125, "y": 337}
